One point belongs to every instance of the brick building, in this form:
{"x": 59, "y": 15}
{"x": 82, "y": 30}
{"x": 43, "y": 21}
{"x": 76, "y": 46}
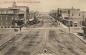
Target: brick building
{"x": 11, "y": 14}
{"x": 73, "y": 17}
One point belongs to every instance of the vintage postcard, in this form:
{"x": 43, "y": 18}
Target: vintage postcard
{"x": 42, "y": 27}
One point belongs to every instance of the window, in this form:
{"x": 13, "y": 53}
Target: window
{"x": 1, "y": 17}
{"x": 72, "y": 15}
{"x": 10, "y": 12}
{"x": 80, "y": 23}
{"x": 75, "y": 24}
{"x": 6, "y": 17}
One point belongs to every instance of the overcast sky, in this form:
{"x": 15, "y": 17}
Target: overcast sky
{"x": 46, "y": 5}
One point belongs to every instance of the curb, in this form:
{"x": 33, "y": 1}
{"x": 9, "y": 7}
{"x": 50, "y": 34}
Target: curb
{"x": 80, "y": 37}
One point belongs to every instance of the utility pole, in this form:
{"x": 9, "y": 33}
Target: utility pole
{"x": 84, "y": 25}
{"x": 69, "y": 20}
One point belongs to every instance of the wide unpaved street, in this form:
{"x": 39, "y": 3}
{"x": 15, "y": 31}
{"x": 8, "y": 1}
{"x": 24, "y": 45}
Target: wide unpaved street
{"x": 66, "y": 44}
{"x": 48, "y": 39}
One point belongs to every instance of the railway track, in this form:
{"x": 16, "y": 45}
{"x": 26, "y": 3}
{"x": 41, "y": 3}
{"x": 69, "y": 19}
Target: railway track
{"x": 43, "y": 48}
{"x": 9, "y": 44}
{"x": 29, "y": 42}
{"x": 9, "y": 40}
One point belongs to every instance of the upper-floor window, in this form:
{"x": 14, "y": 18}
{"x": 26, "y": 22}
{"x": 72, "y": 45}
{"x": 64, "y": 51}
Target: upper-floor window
{"x": 10, "y": 12}
{"x": 75, "y": 24}
{"x": 3, "y": 12}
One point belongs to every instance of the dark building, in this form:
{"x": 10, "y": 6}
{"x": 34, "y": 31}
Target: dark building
{"x": 72, "y": 17}
{"x": 9, "y": 16}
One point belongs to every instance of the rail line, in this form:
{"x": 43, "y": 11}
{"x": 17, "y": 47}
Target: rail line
{"x": 9, "y": 43}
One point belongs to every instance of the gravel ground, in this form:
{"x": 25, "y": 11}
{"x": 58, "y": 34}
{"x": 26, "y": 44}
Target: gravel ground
{"x": 66, "y": 44}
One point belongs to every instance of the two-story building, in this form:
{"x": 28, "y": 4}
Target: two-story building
{"x": 9, "y": 15}
{"x": 72, "y": 17}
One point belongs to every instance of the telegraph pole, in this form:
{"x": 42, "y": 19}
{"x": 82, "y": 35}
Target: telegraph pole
{"x": 69, "y": 20}
{"x": 84, "y": 25}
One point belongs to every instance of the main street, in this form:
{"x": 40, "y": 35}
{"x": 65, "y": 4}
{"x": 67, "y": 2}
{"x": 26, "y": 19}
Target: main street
{"x": 46, "y": 21}
{"x": 48, "y": 39}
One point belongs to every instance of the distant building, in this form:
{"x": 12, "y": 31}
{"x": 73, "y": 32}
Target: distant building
{"x": 9, "y": 15}
{"x": 72, "y": 17}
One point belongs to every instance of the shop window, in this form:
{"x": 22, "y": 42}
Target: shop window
{"x": 75, "y": 24}
{"x": 1, "y": 26}
{"x": 8, "y": 27}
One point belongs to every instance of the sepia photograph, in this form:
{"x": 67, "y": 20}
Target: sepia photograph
{"x": 42, "y": 27}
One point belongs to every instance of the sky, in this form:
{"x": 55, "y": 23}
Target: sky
{"x": 46, "y": 5}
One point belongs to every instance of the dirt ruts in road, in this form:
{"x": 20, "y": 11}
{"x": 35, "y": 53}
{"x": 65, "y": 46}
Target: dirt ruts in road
{"x": 66, "y": 44}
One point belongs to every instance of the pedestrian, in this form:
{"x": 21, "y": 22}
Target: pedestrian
{"x": 20, "y": 28}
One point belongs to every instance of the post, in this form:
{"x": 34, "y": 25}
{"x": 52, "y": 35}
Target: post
{"x": 69, "y": 25}
{"x": 84, "y": 28}
{"x": 69, "y": 20}
{"x": 1, "y": 21}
